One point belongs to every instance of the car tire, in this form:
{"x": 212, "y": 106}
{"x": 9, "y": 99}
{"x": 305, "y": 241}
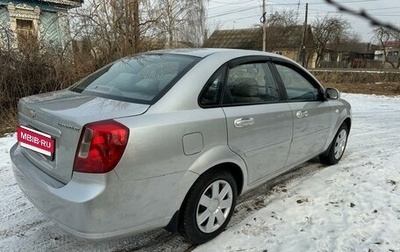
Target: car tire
{"x": 208, "y": 206}
{"x": 337, "y": 147}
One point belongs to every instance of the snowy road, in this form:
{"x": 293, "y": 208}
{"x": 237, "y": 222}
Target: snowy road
{"x": 352, "y": 206}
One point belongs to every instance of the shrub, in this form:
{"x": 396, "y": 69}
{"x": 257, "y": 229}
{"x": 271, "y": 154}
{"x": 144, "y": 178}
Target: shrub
{"x": 33, "y": 72}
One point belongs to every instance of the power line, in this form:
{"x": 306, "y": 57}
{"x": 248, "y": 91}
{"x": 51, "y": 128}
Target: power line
{"x": 346, "y": 2}
{"x": 377, "y": 12}
{"x": 242, "y": 18}
{"x": 386, "y": 8}
{"x": 232, "y": 12}
{"x": 224, "y": 4}
{"x": 386, "y": 15}
{"x": 232, "y": 3}
{"x": 363, "y": 14}
{"x": 319, "y": 3}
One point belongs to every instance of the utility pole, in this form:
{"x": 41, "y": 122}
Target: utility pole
{"x": 136, "y": 24}
{"x": 304, "y": 41}
{"x": 264, "y": 27}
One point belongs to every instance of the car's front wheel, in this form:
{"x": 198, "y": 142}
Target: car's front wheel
{"x": 208, "y": 206}
{"x": 337, "y": 147}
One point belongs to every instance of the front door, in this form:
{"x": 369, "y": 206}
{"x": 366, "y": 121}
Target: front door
{"x": 259, "y": 124}
{"x": 311, "y": 113}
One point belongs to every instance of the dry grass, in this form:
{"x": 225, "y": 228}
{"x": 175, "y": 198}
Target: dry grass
{"x": 355, "y": 77}
{"x": 379, "y": 83}
{"x": 390, "y": 88}
{"x": 33, "y": 72}
{"x": 9, "y": 121}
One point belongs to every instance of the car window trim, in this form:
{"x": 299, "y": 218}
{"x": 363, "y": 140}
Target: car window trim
{"x": 251, "y": 60}
{"x": 304, "y": 74}
{"x": 247, "y": 60}
{"x": 281, "y": 87}
{"x": 221, "y": 70}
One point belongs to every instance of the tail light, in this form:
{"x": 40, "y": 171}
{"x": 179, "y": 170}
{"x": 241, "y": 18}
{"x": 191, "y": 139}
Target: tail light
{"x": 100, "y": 147}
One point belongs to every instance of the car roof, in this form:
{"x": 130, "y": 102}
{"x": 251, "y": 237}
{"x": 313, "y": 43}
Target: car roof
{"x": 205, "y": 52}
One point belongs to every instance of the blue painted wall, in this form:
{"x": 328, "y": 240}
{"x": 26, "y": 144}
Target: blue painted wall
{"x": 51, "y": 26}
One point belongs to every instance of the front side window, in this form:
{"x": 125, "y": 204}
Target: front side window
{"x": 249, "y": 84}
{"x": 297, "y": 87}
{"x": 141, "y": 78}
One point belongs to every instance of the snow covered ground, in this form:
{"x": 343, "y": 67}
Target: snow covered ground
{"x": 352, "y": 206}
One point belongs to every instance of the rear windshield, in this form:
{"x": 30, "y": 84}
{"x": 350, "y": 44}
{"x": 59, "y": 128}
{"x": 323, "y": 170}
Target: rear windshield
{"x": 142, "y": 78}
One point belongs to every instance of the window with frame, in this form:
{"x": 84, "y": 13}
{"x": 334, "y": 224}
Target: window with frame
{"x": 297, "y": 87}
{"x": 26, "y": 34}
{"x": 250, "y": 83}
{"x": 141, "y": 78}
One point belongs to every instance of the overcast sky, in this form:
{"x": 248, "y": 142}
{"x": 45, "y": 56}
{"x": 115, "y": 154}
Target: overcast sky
{"x": 228, "y": 14}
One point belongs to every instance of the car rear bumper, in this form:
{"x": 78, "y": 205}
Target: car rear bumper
{"x": 93, "y": 206}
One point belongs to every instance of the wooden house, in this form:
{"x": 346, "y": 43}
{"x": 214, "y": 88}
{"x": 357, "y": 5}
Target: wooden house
{"x": 285, "y": 41}
{"x": 26, "y": 22}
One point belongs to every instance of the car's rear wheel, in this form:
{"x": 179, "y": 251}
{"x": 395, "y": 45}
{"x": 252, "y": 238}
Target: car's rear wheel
{"x": 337, "y": 147}
{"x": 208, "y": 206}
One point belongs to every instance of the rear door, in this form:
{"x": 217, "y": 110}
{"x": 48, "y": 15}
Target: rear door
{"x": 259, "y": 122}
{"x": 311, "y": 112}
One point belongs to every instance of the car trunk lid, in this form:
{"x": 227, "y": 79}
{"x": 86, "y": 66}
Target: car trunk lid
{"x": 61, "y": 116}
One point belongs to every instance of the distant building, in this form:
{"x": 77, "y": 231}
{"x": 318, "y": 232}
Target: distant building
{"x": 26, "y": 22}
{"x": 285, "y": 41}
{"x": 349, "y": 54}
{"x": 389, "y": 52}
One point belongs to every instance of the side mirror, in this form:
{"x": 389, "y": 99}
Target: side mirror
{"x": 332, "y": 93}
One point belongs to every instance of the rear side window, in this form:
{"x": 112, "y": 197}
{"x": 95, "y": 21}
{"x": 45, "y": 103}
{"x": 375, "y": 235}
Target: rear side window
{"x": 211, "y": 93}
{"x": 250, "y": 84}
{"x": 142, "y": 78}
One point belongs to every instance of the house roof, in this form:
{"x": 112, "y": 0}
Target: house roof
{"x": 61, "y": 3}
{"x": 357, "y": 47}
{"x": 239, "y": 38}
{"x": 392, "y": 44}
{"x": 69, "y": 3}
{"x": 251, "y": 38}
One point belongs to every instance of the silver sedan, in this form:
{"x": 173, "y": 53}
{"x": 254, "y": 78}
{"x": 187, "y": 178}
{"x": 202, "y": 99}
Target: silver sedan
{"x": 171, "y": 138}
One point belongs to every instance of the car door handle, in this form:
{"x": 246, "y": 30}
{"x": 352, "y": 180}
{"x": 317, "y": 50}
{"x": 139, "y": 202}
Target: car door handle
{"x": 243, "y": 122}
{"x": 301, "y": 114}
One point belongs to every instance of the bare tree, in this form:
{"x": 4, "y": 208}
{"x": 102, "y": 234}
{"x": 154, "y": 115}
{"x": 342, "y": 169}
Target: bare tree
{"x": 389, "y": 40}
{"x": 285, "y": 18}
{"x": 110, "y": 25}
{"x": 181, "y": 21}
{"x": 195, "y": 31}
{"x": 116, "y": 28}
{"x": 283, "y": 30}
{"x": 328, "y": 30}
